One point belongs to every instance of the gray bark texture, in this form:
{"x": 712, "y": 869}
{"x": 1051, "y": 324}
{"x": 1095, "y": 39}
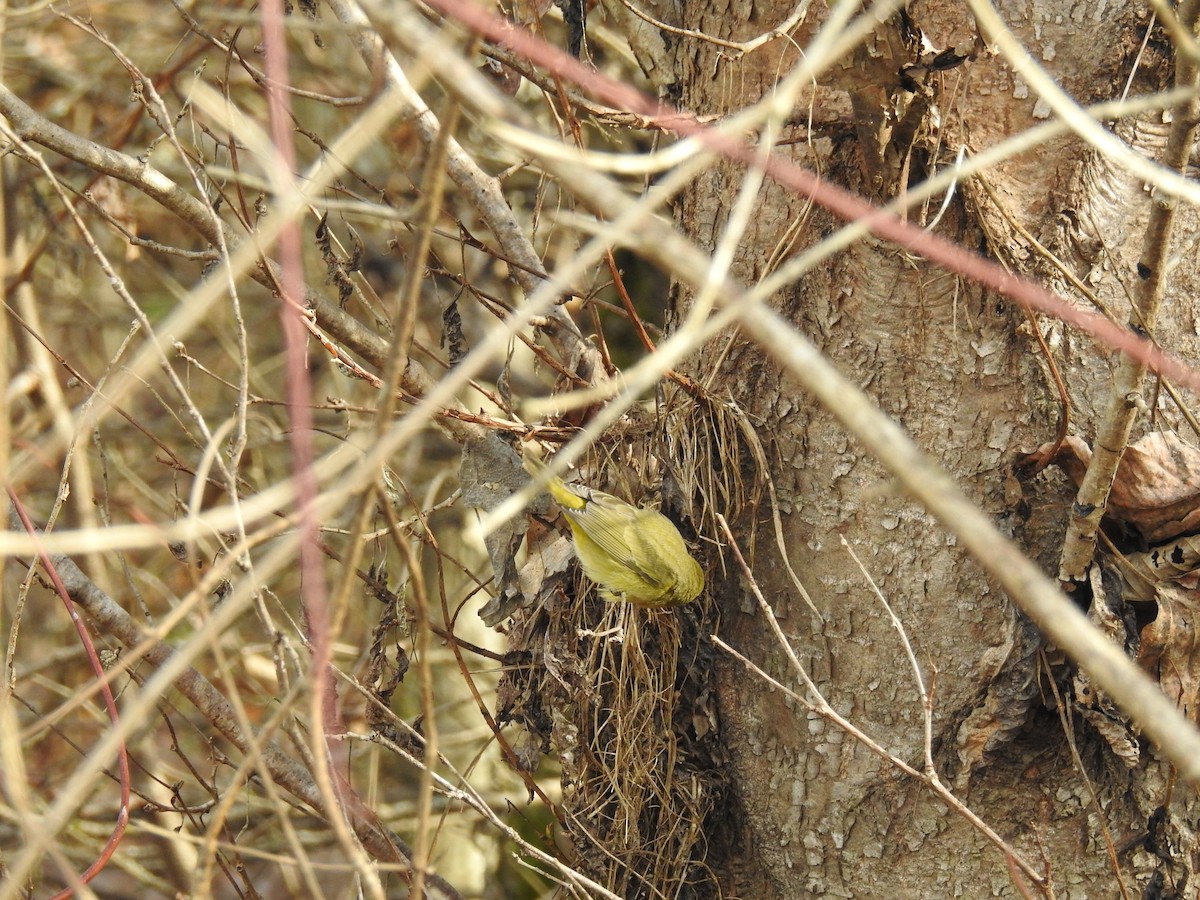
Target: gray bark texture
{"x": 818, "y": 814}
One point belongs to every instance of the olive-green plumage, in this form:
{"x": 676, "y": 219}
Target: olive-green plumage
{"x": 633, "y": 554}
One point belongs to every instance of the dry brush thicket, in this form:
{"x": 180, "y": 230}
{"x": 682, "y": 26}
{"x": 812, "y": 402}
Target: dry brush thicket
{"x": 276, "y": 323}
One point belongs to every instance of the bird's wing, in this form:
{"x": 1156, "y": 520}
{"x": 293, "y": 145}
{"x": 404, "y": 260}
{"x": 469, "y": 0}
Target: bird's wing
{"x": 647, "y": 557}
{"x": 618, "y": 535}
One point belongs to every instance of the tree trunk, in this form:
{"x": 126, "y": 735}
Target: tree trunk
{"x": 964, "y": 372}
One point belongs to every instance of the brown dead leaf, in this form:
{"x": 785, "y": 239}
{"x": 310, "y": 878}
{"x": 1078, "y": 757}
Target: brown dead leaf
{"x": 490, "y": 473}
{"x": 1157, "y": 488}
{"x": 1168, "y": 648}
{"x": 1177, "y": 562}
{"x": 548, "y": 559}
{"x": 1094, "y": 705}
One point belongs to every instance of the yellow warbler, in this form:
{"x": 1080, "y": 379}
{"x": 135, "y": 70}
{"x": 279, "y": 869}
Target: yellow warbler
{"x": 633, "y": 554}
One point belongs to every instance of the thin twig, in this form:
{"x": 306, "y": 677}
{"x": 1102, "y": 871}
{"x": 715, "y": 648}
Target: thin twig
{"x": 1125, "y": 401}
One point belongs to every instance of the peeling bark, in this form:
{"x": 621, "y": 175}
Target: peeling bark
{"x": 964, "y": 373}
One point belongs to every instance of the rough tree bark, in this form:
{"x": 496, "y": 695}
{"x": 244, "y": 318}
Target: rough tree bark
{"x": 962, "y": 370}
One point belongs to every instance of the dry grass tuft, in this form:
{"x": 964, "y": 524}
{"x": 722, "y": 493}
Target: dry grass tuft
{"x": 619, "y": 694}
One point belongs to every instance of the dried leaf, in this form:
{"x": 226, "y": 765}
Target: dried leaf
{"x": 1012, "y": 691}
{"x": 1175, "y": 563}
{"x": 1157, "y": 486}
{"x": 452, "y": 333}
{"x": 1108, "y": 613}
{"x": 548, "y": 558}
{"x": 1168, "y": 648}
{"x": 489, "y": 474}
{"x": 1115, "y": 729}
